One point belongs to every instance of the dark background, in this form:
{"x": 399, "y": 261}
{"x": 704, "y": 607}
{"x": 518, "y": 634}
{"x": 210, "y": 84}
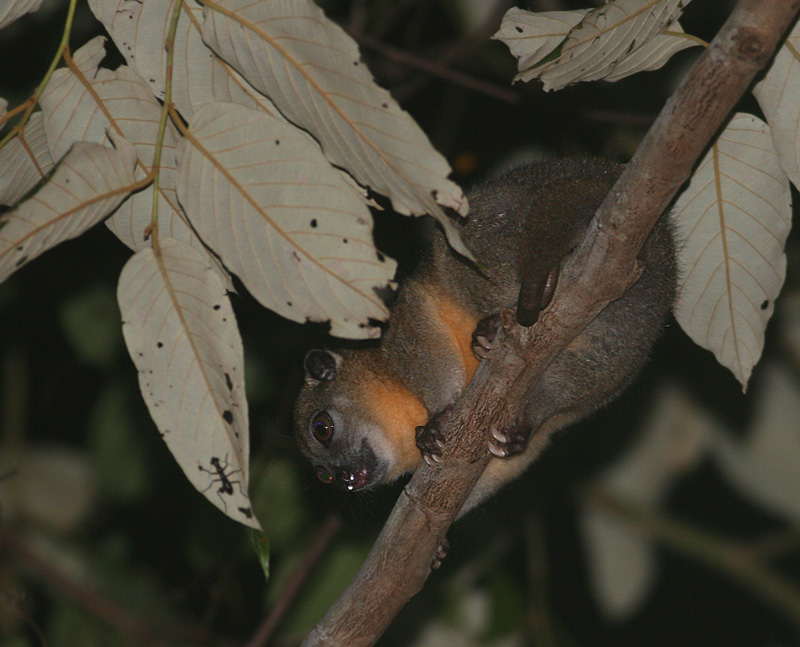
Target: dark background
{"x": 170, "y": 565}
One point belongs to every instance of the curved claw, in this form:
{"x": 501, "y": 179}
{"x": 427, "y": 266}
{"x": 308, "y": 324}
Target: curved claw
{"x": 441, "y": 553}
{"x": 508, "y": 442}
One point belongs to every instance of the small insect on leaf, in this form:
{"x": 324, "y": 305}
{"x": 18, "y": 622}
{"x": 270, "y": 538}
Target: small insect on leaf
{"x": 191, "y": 365}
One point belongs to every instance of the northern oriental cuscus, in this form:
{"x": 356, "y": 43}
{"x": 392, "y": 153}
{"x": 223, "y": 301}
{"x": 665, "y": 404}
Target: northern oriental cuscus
{"x": 367, "y": 416}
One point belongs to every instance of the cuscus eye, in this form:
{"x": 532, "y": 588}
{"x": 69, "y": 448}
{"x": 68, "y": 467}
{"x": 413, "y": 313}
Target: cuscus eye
{"x": 322, "y": 427}
{"x": 324, "y": 475}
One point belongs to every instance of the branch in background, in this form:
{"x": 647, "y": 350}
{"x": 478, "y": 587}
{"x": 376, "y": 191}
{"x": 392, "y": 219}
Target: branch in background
{"x": 16, "y": 604}
{"x": 730, "y": 558}
{"x": 438, "y": 69}
{"x": 433, "y": 66}
{"x": 539, "y": 622}
{"x": 290, "y": 591}
{"x": 93, "y": 601}
{"x": 600, "y": 271}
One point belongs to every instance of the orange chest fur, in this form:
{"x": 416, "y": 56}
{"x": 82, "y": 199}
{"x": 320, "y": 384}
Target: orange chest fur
{"x": 398, "y": 412}
{"x": 457, "y": 325}
{"x": 396, "y": 409}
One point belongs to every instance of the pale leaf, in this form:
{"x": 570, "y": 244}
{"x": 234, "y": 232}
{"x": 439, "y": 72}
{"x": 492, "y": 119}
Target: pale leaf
{"x": 73, "y": 124}
{"x": 181, "y": 333}
{"x": 311, "y": 69}
{"x": 139, "y": 30}
{"x": 654, "y": 54}
{"x": 10, "y": 10}
{"x": 734, "y": 218}
{"x": 779, "y": 95}
{"x": 765, "y": 467}
{"x": 123, "y": 103}
{"x": 200, "y": 77}
{"x": 72, "y": 113}
{"x": 24, "y": 161}
{"x": 87, "y": 184}
{"x": 262, "y": 195}
{"x": 671, "y": 440}
{"x": 530, "y": 36}
{"x": 609, "y": 42}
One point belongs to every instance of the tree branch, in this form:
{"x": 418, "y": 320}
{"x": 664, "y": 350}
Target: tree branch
{"x": 600, "y": 271}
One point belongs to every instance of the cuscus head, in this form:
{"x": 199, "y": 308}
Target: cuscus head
{"x": 335, "y": 428}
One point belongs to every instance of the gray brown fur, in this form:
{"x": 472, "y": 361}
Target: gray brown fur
{"x": 521, "y": 225}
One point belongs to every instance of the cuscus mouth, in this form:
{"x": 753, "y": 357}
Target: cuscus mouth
{"x": 368, "y": 471}
{"x": 352, "y": 481}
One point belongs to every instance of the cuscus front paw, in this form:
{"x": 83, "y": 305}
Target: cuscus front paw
{"x": 484, "y": 339}
{"x": 441, "y": 553}
{"x": 429, "y": 436}
{"x": 510, "y": 441}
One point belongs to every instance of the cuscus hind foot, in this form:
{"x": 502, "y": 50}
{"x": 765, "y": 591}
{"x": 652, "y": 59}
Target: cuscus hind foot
{"x": 510, "y": 441}
{"x": 441, "y": 553}
{"x": 429, "y": 437}
{"x": 484, "y": 339}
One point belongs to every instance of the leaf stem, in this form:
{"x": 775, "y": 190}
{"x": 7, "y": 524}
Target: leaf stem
{"x": 34, "y": 99}
{"x": 22, "y": 106}
{"x": 169, "y": 45}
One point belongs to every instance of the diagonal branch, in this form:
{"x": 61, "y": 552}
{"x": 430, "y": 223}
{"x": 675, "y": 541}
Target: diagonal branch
{"x": 602, "y": 268}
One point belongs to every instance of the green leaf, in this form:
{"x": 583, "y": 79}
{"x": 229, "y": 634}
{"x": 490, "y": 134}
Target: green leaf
{"x": 261, "y": 546}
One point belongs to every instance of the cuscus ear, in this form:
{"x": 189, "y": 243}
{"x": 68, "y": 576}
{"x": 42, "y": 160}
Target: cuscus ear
{"x": 320, "y": 366}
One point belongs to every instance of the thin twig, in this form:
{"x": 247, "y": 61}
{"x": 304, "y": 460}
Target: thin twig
{"x": 34, "y": 99}
{"x": 15, "y": 603}
{"x": 460, "y": 49}
{"x": 91, "y": 600}
{"x": 539, "y": 619}
{"x": 299, "y": 577}
{"x": 438, "y": 69}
